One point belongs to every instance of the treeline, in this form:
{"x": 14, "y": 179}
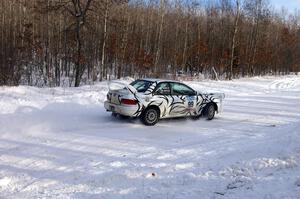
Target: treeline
{"x": 56, "y": 42}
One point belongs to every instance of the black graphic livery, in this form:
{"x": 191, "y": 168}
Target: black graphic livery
{"x": 154, "y": 99}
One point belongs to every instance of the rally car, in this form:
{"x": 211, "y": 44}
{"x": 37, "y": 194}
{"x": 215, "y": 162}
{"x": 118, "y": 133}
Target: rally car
{"x": 155, "y": 99}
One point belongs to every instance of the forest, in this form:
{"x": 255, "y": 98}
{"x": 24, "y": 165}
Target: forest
{"x": 76, "y": 42}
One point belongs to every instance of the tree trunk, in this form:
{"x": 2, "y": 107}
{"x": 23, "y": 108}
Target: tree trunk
{"x": 78, "y": 55}
{"x": 102, "y": 69}
{"x": 233, "y": 41}
{"x": 158, "y": 50}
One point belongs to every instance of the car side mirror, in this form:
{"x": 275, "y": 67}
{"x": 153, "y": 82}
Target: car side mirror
{"x": 194, "y": 93}
{"x": 162, "y": 92}
{"x": 157, "y": 92}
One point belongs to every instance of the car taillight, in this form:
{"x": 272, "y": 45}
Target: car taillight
{"x": 129, "y": 101}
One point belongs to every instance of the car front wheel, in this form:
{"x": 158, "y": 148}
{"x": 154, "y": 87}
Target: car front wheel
{"x": 150, "y": 116}
{"x": 210, "y": 111}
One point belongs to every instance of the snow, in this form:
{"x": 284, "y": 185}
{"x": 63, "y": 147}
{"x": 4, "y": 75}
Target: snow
{"x": 61, "y": 143}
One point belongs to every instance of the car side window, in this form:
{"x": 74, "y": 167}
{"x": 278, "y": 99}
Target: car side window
{"x": 162, "y": 89}
{"x": 141, "y": 85}
{"x": 181, "y": 89}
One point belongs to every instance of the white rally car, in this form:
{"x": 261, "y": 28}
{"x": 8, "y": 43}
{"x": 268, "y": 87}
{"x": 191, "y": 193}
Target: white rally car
{"x": 154, "y": 99}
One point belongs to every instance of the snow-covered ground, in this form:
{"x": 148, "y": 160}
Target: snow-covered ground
{"x": 61, "y": 143}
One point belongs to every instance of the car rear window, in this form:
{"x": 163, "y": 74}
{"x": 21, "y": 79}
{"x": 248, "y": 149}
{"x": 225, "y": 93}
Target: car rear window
{"x": 141, "y": 85}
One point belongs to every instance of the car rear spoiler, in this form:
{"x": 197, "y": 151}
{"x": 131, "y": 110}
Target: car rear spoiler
{"x": 121, "y": 86}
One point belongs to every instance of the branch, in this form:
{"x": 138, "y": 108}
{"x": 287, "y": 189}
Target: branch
{"x": 70, "y": 11}
{"x": 86, "y": 7}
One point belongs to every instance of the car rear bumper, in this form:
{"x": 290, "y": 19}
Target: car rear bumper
{"x": 126, "y": 110}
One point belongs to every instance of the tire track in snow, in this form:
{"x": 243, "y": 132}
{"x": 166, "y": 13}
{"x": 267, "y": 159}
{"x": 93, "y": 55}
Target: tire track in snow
{"x": 285, "y": 84}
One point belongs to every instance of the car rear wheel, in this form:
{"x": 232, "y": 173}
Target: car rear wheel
{"x": 114, "y": 114}
{"x": 210, "y": 111}
{"x": 119, "y": 115}
{"x": 123, "y": 117}
{"x": 150, "y": 116}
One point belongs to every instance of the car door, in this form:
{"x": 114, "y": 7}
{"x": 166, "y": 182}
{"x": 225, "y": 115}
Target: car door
{"x": 184, "y": 100}
{"x": 162, "y": 98}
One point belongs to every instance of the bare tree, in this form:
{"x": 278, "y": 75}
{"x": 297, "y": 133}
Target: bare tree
{"x": 234, "y": 34}
{"x": 73, "y": 42}
{"x": 159, "y": 34}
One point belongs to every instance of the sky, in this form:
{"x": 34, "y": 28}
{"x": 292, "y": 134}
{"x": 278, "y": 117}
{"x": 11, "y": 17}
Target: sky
{"x": 291, "y": 5}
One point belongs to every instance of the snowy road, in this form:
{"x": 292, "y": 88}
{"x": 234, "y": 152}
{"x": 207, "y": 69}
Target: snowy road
{"x": 60, "y": 143}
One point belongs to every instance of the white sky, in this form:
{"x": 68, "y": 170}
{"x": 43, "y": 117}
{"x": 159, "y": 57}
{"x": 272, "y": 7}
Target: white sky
{"x": 291, "y": 5}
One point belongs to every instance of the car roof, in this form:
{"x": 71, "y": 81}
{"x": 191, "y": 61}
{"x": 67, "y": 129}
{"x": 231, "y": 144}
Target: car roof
{"x": 159, "y": 80}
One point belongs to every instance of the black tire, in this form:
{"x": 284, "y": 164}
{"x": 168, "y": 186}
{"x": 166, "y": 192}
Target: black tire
{"x": 119, "y": 116}
{"x": 150, "y": 116}
{"x": 196, "y": 117}
{"x": 114, "y": 114}
{"x": 123, "y": 117}
{"x": 210, "y": 111}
